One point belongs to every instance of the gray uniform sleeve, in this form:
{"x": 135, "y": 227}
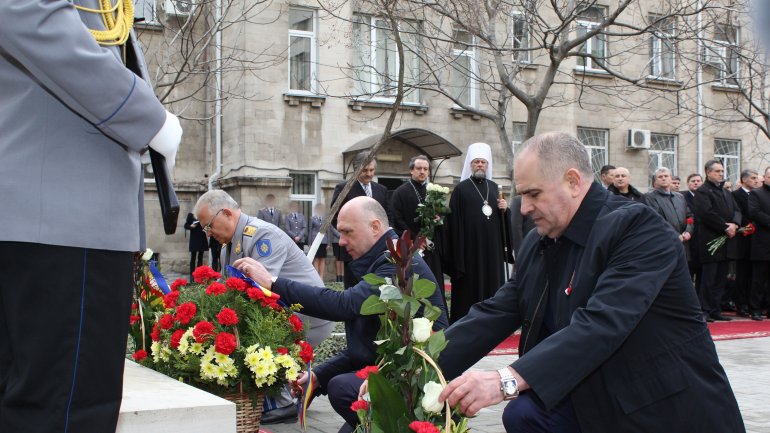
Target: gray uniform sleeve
{"x": 86, "y": 77}
{"x": 273, "y": 261}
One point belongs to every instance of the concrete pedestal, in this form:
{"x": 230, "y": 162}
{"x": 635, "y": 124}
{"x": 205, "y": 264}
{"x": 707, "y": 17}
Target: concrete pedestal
{"x": 154, "y": 403}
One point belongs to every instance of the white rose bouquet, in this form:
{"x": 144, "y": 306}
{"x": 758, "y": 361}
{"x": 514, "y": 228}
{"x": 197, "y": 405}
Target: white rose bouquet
{"x": 431, "y": 212}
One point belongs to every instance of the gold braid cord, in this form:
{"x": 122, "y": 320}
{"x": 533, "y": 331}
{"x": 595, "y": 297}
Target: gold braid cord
{"x": 118, "y": 20}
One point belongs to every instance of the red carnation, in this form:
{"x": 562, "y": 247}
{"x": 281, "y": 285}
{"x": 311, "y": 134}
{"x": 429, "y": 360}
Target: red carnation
{"x": 185, "y": 312}
{"x": 179, "y": 282}
{"x": 134, "y": 306}
{"x": 255, "y": 293}
{"x": 305, "y": 351}
{"x": 202, "y": 331}
{"x": 282, "y": 351}
{"x": 275, "y": 306}
{"x": 748, "y": 230}
{"x": 364, "y": 372}
{"x": 204, "y": 273}
{"x": 215, "y": 289}
{"x": 296, "y": 322}
{"x": 227, "y": 317}
{"x": 166, "y": 321}
{"x": 139, "y": 355}
{"x": 359, "y": 405}
{"x": 169, "y": 301}
{"x": 225, "y": 343}
{"x": 133, "y": 319}
{"x": 155, "y": 334}
{"x": 175, "y": 337}
{"x": 236, "y": 284}
{"x": 690, "y": 221}
{"x": 423, "y": 427}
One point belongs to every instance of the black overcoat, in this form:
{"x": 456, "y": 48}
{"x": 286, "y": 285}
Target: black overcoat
{"x": 630, "y": 347}
{"x": 714, "y": 208}
{"x": 759, "y": 212}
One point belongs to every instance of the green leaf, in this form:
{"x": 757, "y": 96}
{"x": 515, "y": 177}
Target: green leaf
{"x": 373, "y": 305}
{"x": 436, "y": 343}
{"x": 389, "y": 292}
{"x": 431, "y": 313}
{"x": 388, "y": 404}
{"x": 423, "y": 288}
{"x": 401, "y": 350}
{"x": 374, "y": 280}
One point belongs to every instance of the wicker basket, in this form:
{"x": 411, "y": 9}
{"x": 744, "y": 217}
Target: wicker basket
{"x": 248, "y": 411}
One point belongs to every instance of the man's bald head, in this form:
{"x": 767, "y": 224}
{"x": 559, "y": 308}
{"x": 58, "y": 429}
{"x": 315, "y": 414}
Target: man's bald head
{"x": 622, "y": 179}
{"x": 362, "y": 222}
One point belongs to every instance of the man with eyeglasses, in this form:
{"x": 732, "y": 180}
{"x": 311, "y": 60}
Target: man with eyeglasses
{"x": 242, "y": 236}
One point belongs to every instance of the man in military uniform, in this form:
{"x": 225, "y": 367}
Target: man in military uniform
{"x": 295, "y": 225}
{"x": 245, "y": 236}
{"x": 270, "y": 213}
{"x": 75, "y": 121}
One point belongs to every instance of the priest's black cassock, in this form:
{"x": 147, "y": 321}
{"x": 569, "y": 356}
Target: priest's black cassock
{"x": 403, "y": 204}
{"x": 474, "y": 254}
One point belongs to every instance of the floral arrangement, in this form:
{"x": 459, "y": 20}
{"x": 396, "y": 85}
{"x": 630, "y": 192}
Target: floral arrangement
{"x": 225, "y": 336}
{"x": 717, "y": 243}
{"x": 404, "y": 386}
{"x": 432, "y": 211}
{"x": 148, "y": 300}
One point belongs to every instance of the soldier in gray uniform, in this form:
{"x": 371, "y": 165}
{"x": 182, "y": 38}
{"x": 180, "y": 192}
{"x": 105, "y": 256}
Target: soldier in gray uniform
{"x": 295, "y": 225}
{"x": 245, "y": 236}
{"x": 74, "y": 121}
{"x": 270, "y": 213}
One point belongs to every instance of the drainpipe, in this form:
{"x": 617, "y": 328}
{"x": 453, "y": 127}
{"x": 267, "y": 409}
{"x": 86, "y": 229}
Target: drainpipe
{"x": 699, "y": 84}
{"x": 218, "y": 96}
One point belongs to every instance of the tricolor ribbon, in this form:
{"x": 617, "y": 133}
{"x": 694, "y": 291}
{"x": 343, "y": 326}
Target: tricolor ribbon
{"x": 236, "y": 273}
{"x": 307, "y": 396}
{"x": 156, "y": 279}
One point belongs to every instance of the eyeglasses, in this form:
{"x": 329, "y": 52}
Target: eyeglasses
{"x": 207, "y": 227}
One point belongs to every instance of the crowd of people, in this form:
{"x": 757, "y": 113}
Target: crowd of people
{"x": 732, "y": 277}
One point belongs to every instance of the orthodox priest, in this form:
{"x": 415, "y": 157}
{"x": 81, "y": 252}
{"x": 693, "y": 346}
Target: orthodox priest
{"x": 404, "y": 202}
{"x": 478, "y": 228}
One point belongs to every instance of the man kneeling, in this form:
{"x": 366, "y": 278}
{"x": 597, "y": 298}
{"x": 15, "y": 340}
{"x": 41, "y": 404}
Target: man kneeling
{"x": 363, "y": 227}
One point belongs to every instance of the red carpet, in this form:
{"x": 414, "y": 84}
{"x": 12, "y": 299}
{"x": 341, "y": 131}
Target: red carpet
{"x": 739, "y": 328}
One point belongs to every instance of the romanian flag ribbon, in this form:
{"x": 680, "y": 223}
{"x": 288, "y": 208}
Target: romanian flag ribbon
{"x": 156, "y": 279}
{"x": 307, "y": 396}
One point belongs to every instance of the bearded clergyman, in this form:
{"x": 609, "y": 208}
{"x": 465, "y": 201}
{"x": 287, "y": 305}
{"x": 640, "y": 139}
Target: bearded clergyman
{"x": 478, "y": 234}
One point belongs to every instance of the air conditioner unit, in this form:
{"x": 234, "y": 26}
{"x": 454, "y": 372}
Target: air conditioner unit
{"x": 638, "y": 139}
{"x": 180, "y": 8}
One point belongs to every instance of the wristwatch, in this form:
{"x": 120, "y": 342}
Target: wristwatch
{"x": 508, "y": 385}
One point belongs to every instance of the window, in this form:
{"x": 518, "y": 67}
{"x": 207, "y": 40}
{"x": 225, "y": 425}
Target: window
{"x": 302, "y": 51}
{"x": 145, "y": 9}
{"x": 303, "y": 191}
{"x": 662, "y": 154}
{"x": 376, "y": 59}
{"x": 521, "y": 37}
{"x": 662, "y": 48}
{"x": 595, "y": 140}
{"x": 590, "y": 19}
{"x": 729, "y": 152}
{"x": 463, "y": 69}
{"x": 518, "y": 133}
{"x": 722, "y": 54}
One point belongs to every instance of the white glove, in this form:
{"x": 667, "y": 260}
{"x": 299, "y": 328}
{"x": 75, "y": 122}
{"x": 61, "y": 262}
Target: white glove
{"x": 166, "y": 141}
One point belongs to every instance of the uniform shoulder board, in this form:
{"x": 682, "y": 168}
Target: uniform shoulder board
{"x": 249, "y": 230}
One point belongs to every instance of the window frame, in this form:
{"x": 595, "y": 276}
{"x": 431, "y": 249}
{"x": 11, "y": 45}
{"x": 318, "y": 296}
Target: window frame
{"x": 657, "y": 52}
{"x": 154, "y": 21}
{"x": 516, "y": 56}
{"x": 726, "y": 47}
{"x": 470, "y": 53}
{"x": 659, "y": 155}
{"x": 588, "y": 45}
{"x": 605, "y": 147}
{"x": 723, "y": 157}
{"x": 313, "y": 36}
{"x": 516, "y": 138}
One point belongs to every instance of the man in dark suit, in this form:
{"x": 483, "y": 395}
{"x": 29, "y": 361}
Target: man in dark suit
{"x": 759, "y": 212}
{"x": 694, "y": 181}
{"x": 716, "y": 214}
{"x": 612, "y": 336}
{"x": 742, "y": 244}
{"x": 270, "y": 213}
{"x": 364, "y": 230}
{"x": 364, "y": 187}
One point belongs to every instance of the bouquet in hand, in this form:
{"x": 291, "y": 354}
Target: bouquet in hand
{"x": 717, "y": 243}
{"x": 431, "y": 212}
{"x": 218, "y": 335}
{"x": 405, "y": 384}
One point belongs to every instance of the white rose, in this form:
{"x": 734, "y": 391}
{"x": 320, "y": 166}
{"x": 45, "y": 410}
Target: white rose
{"x": 147, "y": 255}
{"x": 421, "y": 328}
{"x": 431, "y": 187}
{"x": 430, "y": 399}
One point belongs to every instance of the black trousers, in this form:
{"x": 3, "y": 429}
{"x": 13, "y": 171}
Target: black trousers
{"x": 759, "y": 286}
{"x": 196, "y": 259}
{"x": 742, "y": 283}
{"x": 343, "y": 391}
{"x": 63, "y": 328}
{"x": 712, "y": 286}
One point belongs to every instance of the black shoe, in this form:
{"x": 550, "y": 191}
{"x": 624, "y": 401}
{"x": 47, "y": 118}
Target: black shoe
{"x": 707, "y": 318}
{"x": 728, "y": 306}
{"x": 286, "y": 414}
{"x": 721, "y": 318}
{"x": 757, "y": 316}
